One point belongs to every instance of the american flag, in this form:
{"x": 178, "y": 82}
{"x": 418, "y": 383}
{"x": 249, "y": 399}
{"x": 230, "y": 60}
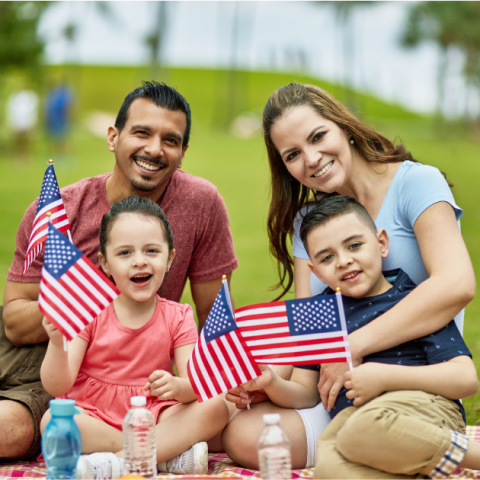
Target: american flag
{"x": 220, "y": 360}
{"x": 51, "y": 201}
{"x": 72, "y": 289}
{"x": 295, "y": 332}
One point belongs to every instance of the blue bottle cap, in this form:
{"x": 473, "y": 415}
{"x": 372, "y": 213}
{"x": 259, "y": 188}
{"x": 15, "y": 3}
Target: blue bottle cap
{"x": 63, "y": 408}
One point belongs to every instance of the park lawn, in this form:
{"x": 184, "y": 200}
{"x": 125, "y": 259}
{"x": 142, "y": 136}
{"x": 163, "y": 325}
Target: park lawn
{"x": 238, "y": 167}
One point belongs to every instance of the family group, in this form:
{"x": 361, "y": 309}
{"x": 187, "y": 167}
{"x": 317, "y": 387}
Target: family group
{"x": 349, "y": 209}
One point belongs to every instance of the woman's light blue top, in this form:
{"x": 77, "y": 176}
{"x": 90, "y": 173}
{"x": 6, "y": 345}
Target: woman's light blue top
{"x": 414, "y": 188}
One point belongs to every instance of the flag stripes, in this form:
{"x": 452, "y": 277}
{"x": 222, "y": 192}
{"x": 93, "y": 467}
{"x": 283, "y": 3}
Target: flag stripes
{"x": 73, "y": 297}
{"x": 220, "y": 360}
{"x": 267, "y": 333}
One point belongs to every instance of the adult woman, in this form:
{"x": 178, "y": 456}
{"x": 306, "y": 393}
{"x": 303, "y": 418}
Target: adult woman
{"x": 317, "y": 147}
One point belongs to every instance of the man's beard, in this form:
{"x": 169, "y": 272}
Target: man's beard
{"x": 146, "y": 184}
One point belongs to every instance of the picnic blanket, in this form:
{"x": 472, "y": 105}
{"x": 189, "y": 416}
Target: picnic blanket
{"x": 219, "y": 465}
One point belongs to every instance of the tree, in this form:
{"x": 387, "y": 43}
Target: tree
{"x": 19, "y": 45}
{"x": 448, "y": 24}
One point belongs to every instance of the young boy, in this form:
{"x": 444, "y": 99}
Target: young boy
{"x": 391, "y": 420}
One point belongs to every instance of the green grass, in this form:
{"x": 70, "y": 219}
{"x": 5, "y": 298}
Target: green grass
{"x": 237, "y": 167}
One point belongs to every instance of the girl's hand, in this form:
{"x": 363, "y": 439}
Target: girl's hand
{"x": 366, "y": 382}
{"x": 163, "y": 385}
{"x": 55, "y": 335}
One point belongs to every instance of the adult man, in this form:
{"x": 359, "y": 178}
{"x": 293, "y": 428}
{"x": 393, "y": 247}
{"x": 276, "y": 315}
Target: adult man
{"x": 149, "y": 140}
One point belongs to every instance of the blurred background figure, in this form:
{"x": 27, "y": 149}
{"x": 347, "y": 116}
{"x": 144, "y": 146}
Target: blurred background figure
{"x": 22, "y": 117}
{"x": 58, "y": 110}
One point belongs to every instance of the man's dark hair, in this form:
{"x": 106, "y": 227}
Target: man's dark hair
{"x": 329, "y": 208}
{"x": 162, "y": 96}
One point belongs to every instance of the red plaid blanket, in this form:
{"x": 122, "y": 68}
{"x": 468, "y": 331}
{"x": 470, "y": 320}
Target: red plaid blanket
{"x": 219, "y": 465}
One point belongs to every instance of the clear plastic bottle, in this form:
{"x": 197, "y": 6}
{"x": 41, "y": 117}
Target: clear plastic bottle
{"x": 274, "y": 450}
{"x": 61, "y": 442}
{"x": 139, "y": 446}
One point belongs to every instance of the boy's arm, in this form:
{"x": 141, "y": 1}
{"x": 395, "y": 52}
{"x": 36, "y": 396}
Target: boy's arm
{"x": 298, "y": 392}
{"x": 454, "y": 379}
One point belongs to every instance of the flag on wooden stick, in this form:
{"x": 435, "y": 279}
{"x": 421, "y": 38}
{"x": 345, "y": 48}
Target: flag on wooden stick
{"x": 73, "y": 291}
{"x": 51, "y": 201}
{"x": 296, "y": 332}
{"x": 220, "y": 360}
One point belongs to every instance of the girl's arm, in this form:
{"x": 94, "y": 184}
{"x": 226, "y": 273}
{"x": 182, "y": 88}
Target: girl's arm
{"x": 166, "y": 386}
{"x": 59, "y": 368}
{"x": 429, "y": 307}
{"x": 298, "y": 392}
{"x": 454, "y": 379}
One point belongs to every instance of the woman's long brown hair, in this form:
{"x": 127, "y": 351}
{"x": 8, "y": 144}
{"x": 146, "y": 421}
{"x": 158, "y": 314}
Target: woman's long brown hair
{"x": 288, "y": 194}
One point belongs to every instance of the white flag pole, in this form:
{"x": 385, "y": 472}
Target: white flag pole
{"x": 343, "y": 322}
{"x": 229, "y": 301}
{"x": 48, "y": 214}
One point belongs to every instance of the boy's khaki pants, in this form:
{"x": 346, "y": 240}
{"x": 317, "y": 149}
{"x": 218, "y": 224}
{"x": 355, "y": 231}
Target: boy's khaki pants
{"x": 402, "y": 434}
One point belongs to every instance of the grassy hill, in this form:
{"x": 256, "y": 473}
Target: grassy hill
{"x": 238, "y": 167}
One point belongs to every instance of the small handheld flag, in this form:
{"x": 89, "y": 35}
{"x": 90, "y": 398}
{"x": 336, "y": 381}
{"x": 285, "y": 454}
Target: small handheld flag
{"x": 220, "y": 360}
{"x": 295, "y": 332}
{"x": 50, "y": 200}
{"x": 72, "y": 289}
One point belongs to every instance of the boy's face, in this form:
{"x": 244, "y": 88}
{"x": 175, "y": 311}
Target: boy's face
{"x": 346, "y": 253}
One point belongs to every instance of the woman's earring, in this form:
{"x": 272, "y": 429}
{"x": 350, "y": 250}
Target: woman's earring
{"x": 352, "y": 141}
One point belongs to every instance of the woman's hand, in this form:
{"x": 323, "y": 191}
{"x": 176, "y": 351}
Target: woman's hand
{"x": 163, "y": 385}
{"x": 366, "y": 382}
{"x": 331, "y": 382}
{"x": 55, "y": 335}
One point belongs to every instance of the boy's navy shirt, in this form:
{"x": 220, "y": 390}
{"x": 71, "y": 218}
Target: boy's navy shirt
{"x": 443, "y": 345}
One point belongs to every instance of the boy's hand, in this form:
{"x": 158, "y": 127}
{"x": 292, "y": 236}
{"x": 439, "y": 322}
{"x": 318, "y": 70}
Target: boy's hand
{"x": 366, "y": 382}
{"x": 163, "y": 385}
{"x": 241, "y": 398}
{"x": 55, "y": 335}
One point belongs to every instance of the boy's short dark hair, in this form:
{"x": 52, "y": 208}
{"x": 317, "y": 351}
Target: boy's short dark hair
{"x": 162, "y": 96}
{"x": 329, "y": 208}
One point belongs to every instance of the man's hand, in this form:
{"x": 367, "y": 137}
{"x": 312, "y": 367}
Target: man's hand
{"x": 366, "y": 382}
{"x": 163, "y": 385}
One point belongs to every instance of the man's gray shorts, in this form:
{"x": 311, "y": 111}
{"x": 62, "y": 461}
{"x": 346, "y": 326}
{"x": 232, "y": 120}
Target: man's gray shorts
{"x": 20, "y": 381}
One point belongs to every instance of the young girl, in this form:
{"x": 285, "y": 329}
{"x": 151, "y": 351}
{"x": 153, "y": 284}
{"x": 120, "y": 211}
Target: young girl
{"x": 130, "y": 349}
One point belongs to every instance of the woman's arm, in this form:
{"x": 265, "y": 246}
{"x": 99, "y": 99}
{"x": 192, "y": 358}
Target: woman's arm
{"x": 59, "y": 368}
{"x": 454, "y": 379}
{"x": 166, "y": 386}
{"x": 301, "y": 274}
{"x": 430, "y": 306}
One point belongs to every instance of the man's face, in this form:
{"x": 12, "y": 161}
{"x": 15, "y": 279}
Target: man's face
{"x": 149, "y": 148}
{"x": 346, "y": 253}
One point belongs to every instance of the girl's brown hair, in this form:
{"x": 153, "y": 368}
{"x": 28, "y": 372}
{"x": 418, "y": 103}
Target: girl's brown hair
{"x": 288, "y": 194}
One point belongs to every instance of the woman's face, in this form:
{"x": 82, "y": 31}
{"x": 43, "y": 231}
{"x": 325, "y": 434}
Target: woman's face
{"x": 315, "y": 150}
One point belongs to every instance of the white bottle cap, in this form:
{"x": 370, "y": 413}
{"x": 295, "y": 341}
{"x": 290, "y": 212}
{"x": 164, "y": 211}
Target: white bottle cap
{"x": 138, "y": 401}
{"x": 271, "y": 418}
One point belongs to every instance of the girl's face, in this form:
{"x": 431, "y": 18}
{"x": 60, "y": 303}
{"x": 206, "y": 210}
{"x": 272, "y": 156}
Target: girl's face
{"x": 315, "y": 150}
{"x": 137, "y": 256}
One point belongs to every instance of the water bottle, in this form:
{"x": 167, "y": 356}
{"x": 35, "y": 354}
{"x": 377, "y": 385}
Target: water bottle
{"x": 139, "y": 445}
{"x": 274, "y": 450}
{"x": 61, "y": 442}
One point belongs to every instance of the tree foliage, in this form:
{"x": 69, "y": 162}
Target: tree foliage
{"x": 449, "y": 24}
{"x": 19, "y": 44}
